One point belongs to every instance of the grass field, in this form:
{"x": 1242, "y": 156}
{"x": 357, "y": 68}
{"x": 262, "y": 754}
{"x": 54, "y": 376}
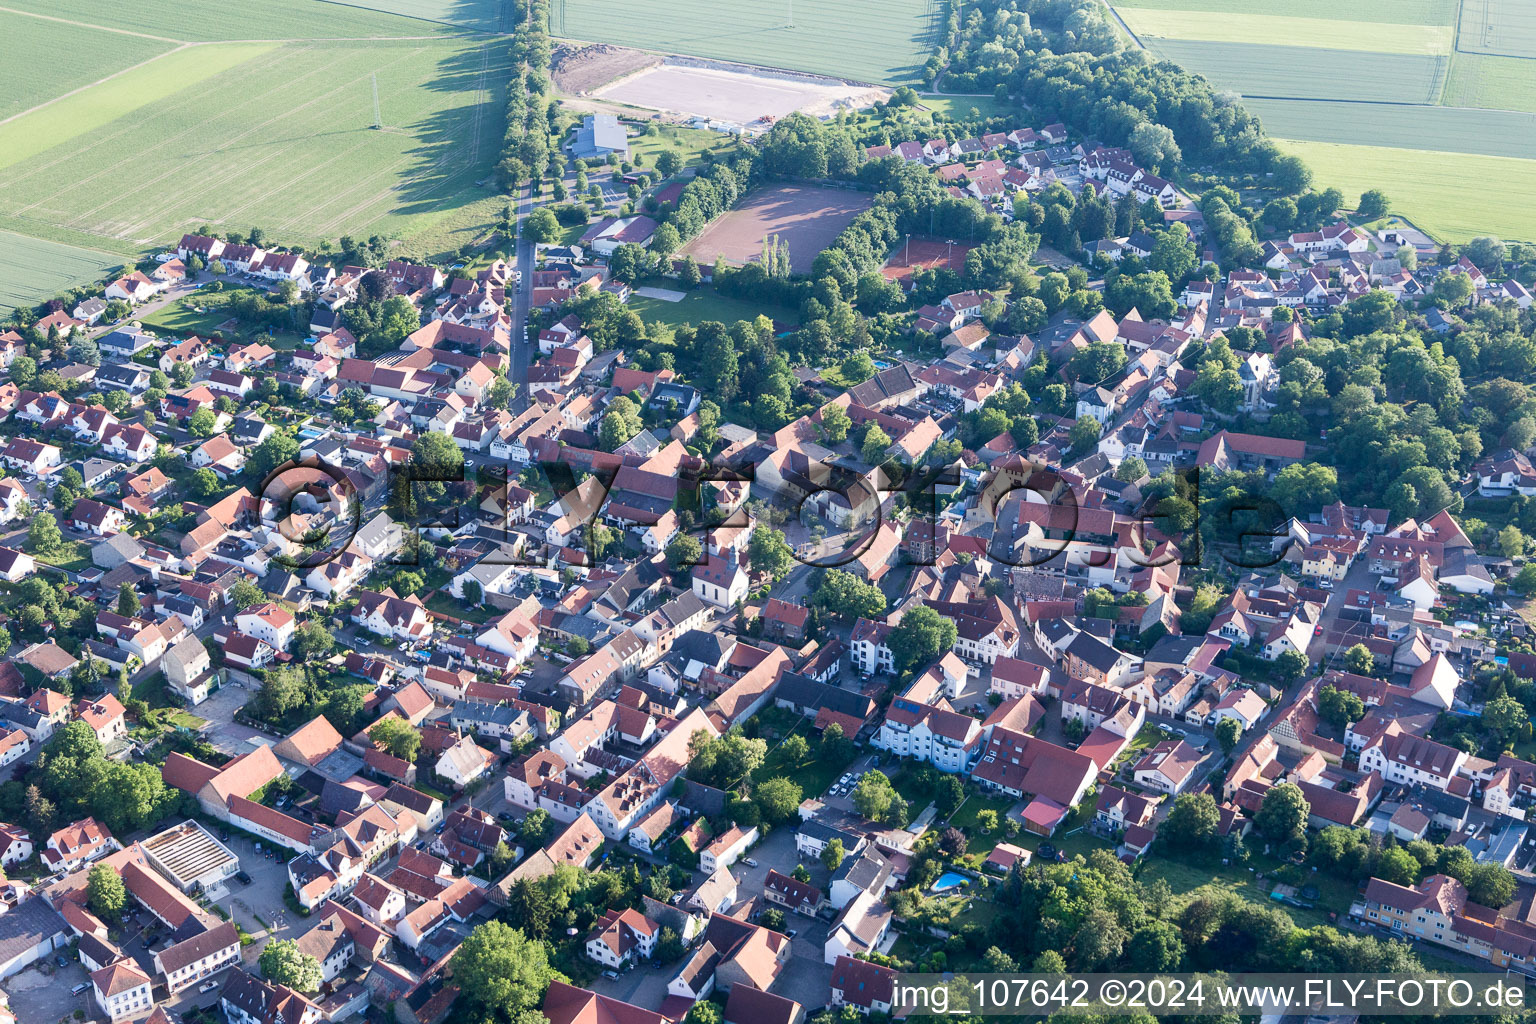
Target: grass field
{"x": 280, "y": 139}
{"x": 1257, "y": 69}
{"x": 1393, "y": 12}
{"x": 213, "y": 20}
{"x": 960, "y": 108}
{"x": 1447, "y": 129}
{"x": 1454, "y": 196}
{"x": 1482, "y": 80}
{"x": 1245, "y": 27}
{"x": 867, "y": 40}
{"x": 703, "y": 304}
{"x": 32, "y": 267}
{"x": 1505, "y": 27}
{"x": 75, "y": 57}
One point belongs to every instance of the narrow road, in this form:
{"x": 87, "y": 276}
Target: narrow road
{"x": 521, "y": 345}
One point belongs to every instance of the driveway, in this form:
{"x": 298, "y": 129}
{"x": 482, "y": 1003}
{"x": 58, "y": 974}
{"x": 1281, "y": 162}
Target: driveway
{"x": 35, "y": 996}
{"x": 259, "y": 907}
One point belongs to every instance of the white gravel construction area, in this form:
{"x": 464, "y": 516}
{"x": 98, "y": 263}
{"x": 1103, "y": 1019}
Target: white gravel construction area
{"x": 736, "y": 96}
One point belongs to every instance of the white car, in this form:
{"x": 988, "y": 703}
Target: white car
{"x": 209, "y": 985}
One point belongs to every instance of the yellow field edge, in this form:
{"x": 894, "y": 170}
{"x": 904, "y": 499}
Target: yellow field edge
{"x": 1285, "y": 30}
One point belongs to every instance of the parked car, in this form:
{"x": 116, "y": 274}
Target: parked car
{"x": 749, "y": 862}
{"x": 244, "y": 877}
{"x": 61, "y": 961}
{"x": 80, "y": 988}
{"x": 209, "y": 985}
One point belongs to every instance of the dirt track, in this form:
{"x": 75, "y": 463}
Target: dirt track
{"x": 580, "y": 71}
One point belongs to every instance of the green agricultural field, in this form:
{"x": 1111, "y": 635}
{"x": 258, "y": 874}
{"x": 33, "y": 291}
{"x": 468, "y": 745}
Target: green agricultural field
{"x": 31, "y": 267}
{"x": 216, "y": 21}
{"x": 480, "y": 15}
{"x": 1486, "y": 132}
{"x": 91, "y": 109}
{"x": 281, "y": 140}
{"x": 867, "y": 40}
{"x": 1454, "y": 196}
{"x": 1320, "y": 33}
{"x": 1307, "y": 72}
{"x": 1499, "y": 83}
{"x": 1506, "y": 27}
{"x": 1391, "y": 12}
{"x": 68, "y": 57}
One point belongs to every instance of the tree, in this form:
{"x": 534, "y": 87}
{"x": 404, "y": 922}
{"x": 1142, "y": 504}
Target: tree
{"x": 1228, "y": 732}
{"x": 104, "y": 892}
{"x": 1489, "y": 885}
{"x": 1192, "y": 822}
{"x": 1155, "y": 948}
{"x": 535, "y": 828}
{"x": 281, "y": 692}
{"x": 284, "y": 963}
{"x": 950, "y": 795}
{"x": 769, "y": 553}
{"x": 874, "y": 796}
{"x": 1511, "y": 541}
{"x": 668, "y": 163}
{"x": 684, "y": 552}
{"x": 795, "y": 749}
{"x": 952, "y": 842}
{"x": 832, "y": 855}
{"x": 1339, "y": 707}
{"x": 1084, "y": 434}
{"x": 1373, "y": 205}
{"x": 245, "y": 594}
{"x": 876, "y": 441}
{"x": 1131, "y": 470}
{"x": 203, "y": 422}
{"x": 43, "y": 536}
{"x": 278, "y": 449}
{"x": 1487, "y": 253}
{"x": 1154, "y": 147}
{"x": 1282, "y": 817}
{"x": 690, "y": 275}
{"x": 1524, "y": 582}
{"x": 835, "y": 423}
{"x": 848, "y": 597}
{"x": 398, "y": 737}
{"x": 1290, "y": 665}
{"x": 1359, "y": 660}
{"x": 499, "y": 968}
{"x": 541, "y": 226}
{"x": 921, "y": 636}
{"x": 312, "y": 641}
{"x": 128, "y": 605}
{"x": 778, "y": 799}
{"x": 1505, "y": 717}
{"x": 704, "y": 1012}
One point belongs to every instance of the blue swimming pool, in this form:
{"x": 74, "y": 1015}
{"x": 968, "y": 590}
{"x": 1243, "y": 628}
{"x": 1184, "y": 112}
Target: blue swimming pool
{"x": 950, "y": 880}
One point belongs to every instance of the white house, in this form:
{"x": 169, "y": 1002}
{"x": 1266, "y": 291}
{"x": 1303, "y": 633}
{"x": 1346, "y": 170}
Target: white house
{"x": 268, "y": 623}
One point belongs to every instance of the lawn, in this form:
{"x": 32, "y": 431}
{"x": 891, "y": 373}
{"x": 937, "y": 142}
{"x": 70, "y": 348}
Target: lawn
{"x": 1187, "y": 879}
{"x": 1391, "y": 12}
{"x": 72, "y": 56}
{"x": 702, "y": 304}
{"x": 968, "y": 108}
{"x": 687, "y": 142}
{"x": 280, "y": 138}
{"x": 445, "y": 603}
{"x": 182, "y": 316}
{"x": 212, "y": 20}
{"x": 814, "y": 774}
{"x": 1430, "y": 188}
{"x": 1320, "y": 32}
{"x": 867, "y": 40}
{"x": 73, "y": 555}
{"x": 32, "y": 269}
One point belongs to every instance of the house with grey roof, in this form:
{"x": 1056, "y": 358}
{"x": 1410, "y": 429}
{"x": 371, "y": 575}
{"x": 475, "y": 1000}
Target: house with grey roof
{"x": 598, "y": 136}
